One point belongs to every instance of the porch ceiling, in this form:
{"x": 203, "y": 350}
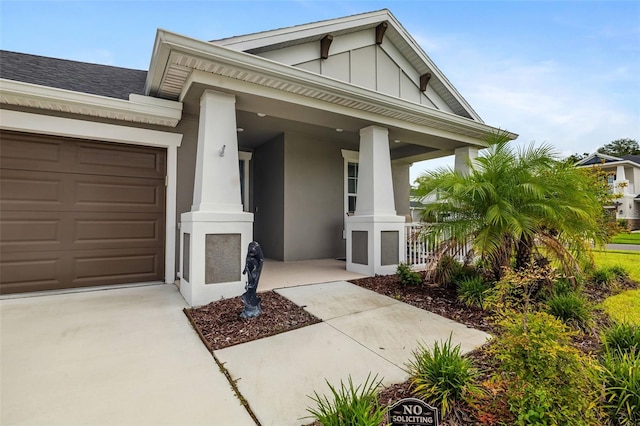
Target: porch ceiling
{"x": 281, "y": 117}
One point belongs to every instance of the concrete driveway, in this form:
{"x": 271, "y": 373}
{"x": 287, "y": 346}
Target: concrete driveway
{"x": 115, "y": 357}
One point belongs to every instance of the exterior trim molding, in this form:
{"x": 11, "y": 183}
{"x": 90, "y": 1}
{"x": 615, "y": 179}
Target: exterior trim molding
{"x": 175, "y": 58}
{"x": 68, "y": 127}
{"x": 394, "y": 31}
{"x": 139, "y": 109}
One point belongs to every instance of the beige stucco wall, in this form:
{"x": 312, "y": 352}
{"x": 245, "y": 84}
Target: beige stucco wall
{"x": 268, "y": 197}
{"x": 314, "y": 200}
{"x": 401, "y": 190}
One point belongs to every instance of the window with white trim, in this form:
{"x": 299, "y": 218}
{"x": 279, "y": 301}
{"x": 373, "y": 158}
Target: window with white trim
{"x": 351, "y": 160}
{"x": 243, "y": 164}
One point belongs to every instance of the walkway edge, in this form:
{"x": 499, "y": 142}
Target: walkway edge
{"x": 223, "y": 370}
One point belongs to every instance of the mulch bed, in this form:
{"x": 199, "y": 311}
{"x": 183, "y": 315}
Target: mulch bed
{"x": 220, "y": 325}
{"x": 430, "y": 297}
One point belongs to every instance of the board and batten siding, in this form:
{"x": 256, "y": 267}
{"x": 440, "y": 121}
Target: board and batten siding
{"x": 355, "y": 58}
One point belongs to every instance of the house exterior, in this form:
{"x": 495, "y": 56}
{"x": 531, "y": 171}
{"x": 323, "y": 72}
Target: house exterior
{"x": 624, "y": 180}
{"x": 299, "y": 138}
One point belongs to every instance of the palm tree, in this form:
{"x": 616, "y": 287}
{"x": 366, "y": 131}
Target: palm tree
{"x": 512, "y": 205}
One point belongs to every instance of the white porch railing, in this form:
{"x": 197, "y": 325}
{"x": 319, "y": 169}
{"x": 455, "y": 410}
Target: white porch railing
{"x": 417, "y": 249}
{"x": 420, "y": 251}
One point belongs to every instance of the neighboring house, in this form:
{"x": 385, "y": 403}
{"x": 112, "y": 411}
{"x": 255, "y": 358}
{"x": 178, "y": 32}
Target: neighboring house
{"x": 299, "y": 138}
{"x": 624, "y": 180}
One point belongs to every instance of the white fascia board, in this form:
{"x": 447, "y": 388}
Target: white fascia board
{"x": 138, "y": 108}
{"x": 432, "y": 66}
{"x": 597, "y": 154}
{"x": 172, "y": 42}
{"x": 314, "y": 29}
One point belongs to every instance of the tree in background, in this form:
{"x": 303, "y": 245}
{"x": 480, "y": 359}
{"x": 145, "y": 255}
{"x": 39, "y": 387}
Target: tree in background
{"x": 621, "y": 147}
{"x": 513, "y": 205}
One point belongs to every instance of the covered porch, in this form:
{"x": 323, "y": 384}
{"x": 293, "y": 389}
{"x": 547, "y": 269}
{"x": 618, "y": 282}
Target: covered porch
{"x": 277, "y": 274}
{"x": 309, "y": 166}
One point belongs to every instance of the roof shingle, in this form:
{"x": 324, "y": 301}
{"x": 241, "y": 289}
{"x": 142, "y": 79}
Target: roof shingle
{"x": 102, "y": 80}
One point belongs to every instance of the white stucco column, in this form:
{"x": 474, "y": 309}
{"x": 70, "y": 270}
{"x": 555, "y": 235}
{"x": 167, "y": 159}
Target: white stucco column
{"x": 216, "y": 232}
{"x": 217, "y": 181}
{"x": 375, "y": 184}
{"x": 375, "y": 233}
{"x": 621, "y": 184}
{"x": 463, "y": 156}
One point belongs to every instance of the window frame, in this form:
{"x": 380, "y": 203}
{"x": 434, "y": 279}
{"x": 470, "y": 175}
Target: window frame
{"x": 352, "y": 157}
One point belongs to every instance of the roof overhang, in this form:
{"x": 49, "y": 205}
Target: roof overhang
{"x": 139, "y": 109}
{"x": 613, "y": 163}
{"x": 395, "y": 33}
{"x": 177, "y": 59}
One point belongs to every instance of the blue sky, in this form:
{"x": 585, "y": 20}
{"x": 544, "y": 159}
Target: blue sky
{"x": 562, "y": 72}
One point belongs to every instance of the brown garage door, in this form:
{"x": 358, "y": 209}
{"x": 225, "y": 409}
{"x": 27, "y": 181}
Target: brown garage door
{"x": 76, "y": 213}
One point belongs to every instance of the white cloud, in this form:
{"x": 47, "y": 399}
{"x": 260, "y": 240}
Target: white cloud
{"x": 574, "y": 109}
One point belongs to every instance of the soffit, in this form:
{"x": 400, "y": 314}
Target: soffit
{"x": 176, "y": 57}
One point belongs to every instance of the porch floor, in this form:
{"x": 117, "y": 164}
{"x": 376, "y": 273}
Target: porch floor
{"x": 277, "y": 274}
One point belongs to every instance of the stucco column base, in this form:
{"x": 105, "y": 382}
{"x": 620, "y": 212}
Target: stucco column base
{"x": 382, "y": 252}
{"x": 199, "y": 260}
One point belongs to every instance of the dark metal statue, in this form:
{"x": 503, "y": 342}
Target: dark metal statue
{"x": 252, "y": 268}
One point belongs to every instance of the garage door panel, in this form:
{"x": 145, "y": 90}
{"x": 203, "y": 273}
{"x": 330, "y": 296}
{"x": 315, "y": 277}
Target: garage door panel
{"x": 120, "y": 160}
{"x": 118, "y": 231}
{"x": 24, "y": 232}
{"x": 23, "y": 272}
{"x": 117, "y": 194}
{"x": 22, "y": 190}
{"x": 53, "y": 154}
{"x": 31, "y": 152}
{"x": 28, "y": 272}
{"x": 51, "y": 191}
{"x": 51, "y": 231}
{"x": 117, "y": 266}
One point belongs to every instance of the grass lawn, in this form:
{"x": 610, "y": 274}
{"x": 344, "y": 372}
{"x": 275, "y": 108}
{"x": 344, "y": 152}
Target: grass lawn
{"x": 629, "y": 260}
{"x": 624, "y": 307}
{"x": 625, "y": 238}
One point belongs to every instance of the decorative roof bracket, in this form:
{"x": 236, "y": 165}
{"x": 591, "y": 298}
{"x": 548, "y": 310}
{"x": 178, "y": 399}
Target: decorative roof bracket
{"x": 324, "y": 46}
{"x": 424, "y": 80}
{"x": 380, "y": 29}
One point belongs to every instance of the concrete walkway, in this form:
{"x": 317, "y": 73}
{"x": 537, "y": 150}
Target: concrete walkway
{"x": 362, "y": 333}
{"x": 130, "y": 357}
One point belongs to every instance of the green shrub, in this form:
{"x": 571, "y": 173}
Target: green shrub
{"x": 547, "y": 380}
{"x": 520, "y": 290}
{"x": 571, "y": 309}
{"x": 618, "y": 272}
{"x": 350, "y": 405}
{"x": 562, "y": 286}
{"x": 602, "y": 276}
{"x": 472, "y": 291}
{"x": 621, "y": 373}
{"x": 442, "y": 376}
{"x": 621, "y": 337}
{"x": 407, "y": 275}
{"x": 449, "y": 269}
